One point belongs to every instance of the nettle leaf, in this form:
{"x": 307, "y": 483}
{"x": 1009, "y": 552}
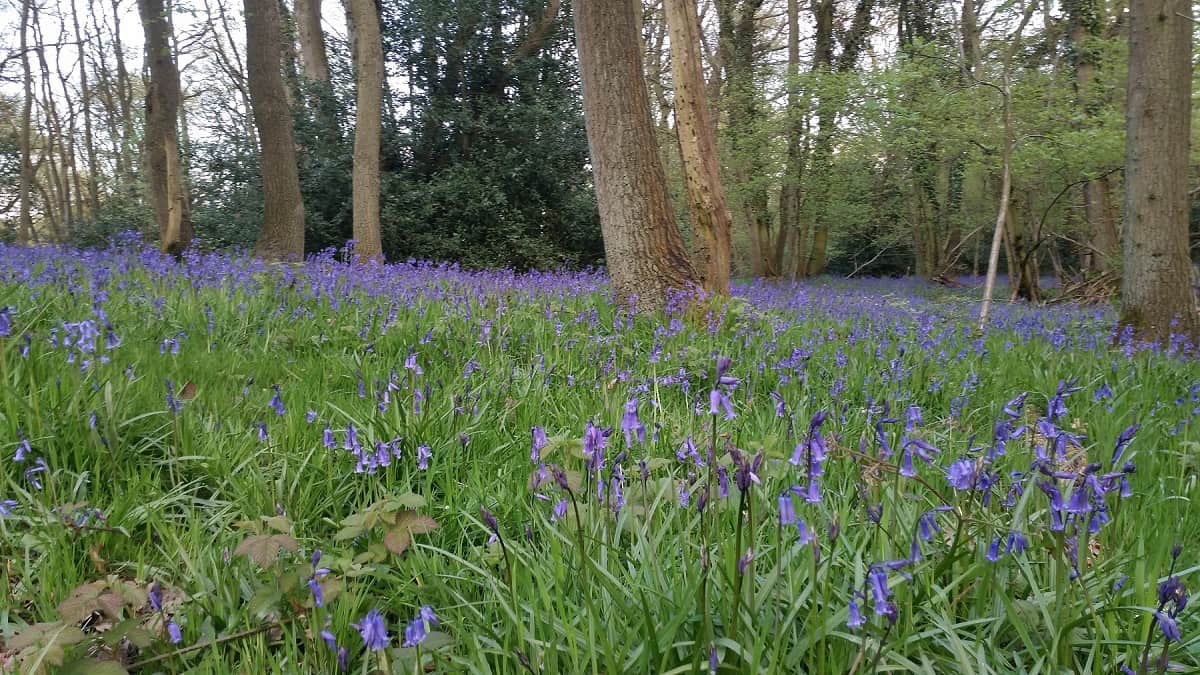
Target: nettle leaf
{"x": 265, "y": 601}
{"x": 409, "y": 500}
{"x": 264, "y": 549}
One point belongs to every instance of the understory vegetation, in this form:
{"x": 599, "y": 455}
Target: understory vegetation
{"x": 223, "y": 466}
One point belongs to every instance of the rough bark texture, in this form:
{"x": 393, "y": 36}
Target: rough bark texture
{"x": 25, "y": 186}
{"x": 1157, "y": 285}
{"x": 312, "y": 40}
{"x": 282, "y": 234}
{"x": 368, "y": 69}
{"x": 167, "y": 187}
{"x": 711, "y": 225}
{"x": 642, "y": 244}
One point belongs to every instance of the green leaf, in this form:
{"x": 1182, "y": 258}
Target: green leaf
{"x": 278, "y": 523}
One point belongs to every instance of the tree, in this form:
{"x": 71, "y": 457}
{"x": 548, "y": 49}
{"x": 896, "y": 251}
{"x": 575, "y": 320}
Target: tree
{"x": 1156, "y": 290}
{"x": 312, "y": 40}
{"x": 643, "y": 247}
{"x": 368, "y": 70}
{"x": 282, "y": 234}
{"x": 711, "y": 226}
{"x": 25, "y": 228}
{"x": 168, "y": 190}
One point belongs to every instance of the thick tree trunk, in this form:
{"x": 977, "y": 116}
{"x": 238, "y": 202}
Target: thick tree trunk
{"x": 643, "y": 247}
{"x": 282, "y": 234}
{"x": 368, "y": 68}
{"x": 25, "y": 187}
{"x": 1157, "y": 294}
{"x": 167, "y": 190}
{"x": 711, "y": 225}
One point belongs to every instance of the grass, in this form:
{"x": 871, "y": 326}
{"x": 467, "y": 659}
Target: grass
{"x": 190, "y": 477}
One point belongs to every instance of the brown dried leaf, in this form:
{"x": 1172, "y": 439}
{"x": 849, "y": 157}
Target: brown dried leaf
{"x": 188, "y": 392}
{"x": 397, "y": 540}
{"x": 415, "y": 523}
{"x": 264, "y": 549}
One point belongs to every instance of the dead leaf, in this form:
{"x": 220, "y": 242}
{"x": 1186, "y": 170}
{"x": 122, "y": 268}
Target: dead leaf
{"x": 264, "y": 549}
{"x": 188, "y": 392}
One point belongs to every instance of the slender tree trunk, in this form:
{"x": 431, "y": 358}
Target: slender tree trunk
{"x": 789, "y": 190}
{"x": 312, "y": 41}
{"x": 125, "y": 97}
{"x": 282, "y": 234}
{"x": 167, "y": 186}
{"x": 711, "y": 225}
{"x": 85, "y": 92}
{"x": 25, "y": 187}
{"x": 368, "y": 68}
{"x": 643, "y": 247}
{"x": 1157, "y": 294}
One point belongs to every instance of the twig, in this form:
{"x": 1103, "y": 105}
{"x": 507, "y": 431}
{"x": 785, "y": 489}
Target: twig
{"x": 137, "y": 665}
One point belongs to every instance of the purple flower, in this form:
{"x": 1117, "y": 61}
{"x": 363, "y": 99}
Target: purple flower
{"x": 31, "y": 473}
{"x": 1173, "y": 591}
{"x": 1123, "y": 442}
{"x": 373, "y": 630}
{"x": 560, "y": 510}
{"x": 6, "y": 507}
{"x": 744, "y": 561}
{"x": 1170, "y": 629}
{"x": 962, "y": 474}
{"x": 23, "y": 448}
{"x": 787, "y": 509}
{"x": 176, "y": 635}
{"x": 417, "y": 630}
{"x": 712, "y": 659}
{"x": 277, "y": 401}
{"x": 877, "y": 584}
{"x": 718, "y": 400}
{"x": 310, "y": 416}
{"x": 424, "y": 453}
{"x": 856, "y": 619}
{"x": 539, "y": 441}
{"x": 155, "y": 596}
{"x": 993, "y": 552}
{"x": 327, "y": 438}
{"x": 490, "y": 521}
{"x": 410, "y": 362}
{"x": 594, "y": 441}
{"x": 631, "y": 425}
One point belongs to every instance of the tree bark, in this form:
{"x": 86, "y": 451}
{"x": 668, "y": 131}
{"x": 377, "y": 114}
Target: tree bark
{"x": 25, "y": 187}
{"x": 1157, "y": 295}
{"x": 313, "y": 56}
{"x": 368, "y": 68}
{"x": 711, "y": 225}
{"x": 125, "y": 97}
{"x": 643, "y": 247}
{"x": 282, "y": 234}
{"x": 167, "y": 191}
{"x": 793, "y": 172}
{"x": 85, "y": 95}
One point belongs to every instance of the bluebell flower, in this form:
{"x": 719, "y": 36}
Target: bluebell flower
{"x": 1170, "y": 629}
{"x": 962, "y": 474}
{"x": 1123, "y": 442}
{"x": 173, "y": 633}
{"x": 787, "y": 509}
{"x": 539, "y": 441}
{"x": 856, "y": 619}
{"x": 631, "y": 425}
{"x": 6, "y": 507}
{"x": 374, "y": 631}
{"x": 424, "y": 453}
{"x": 277, "y": 401}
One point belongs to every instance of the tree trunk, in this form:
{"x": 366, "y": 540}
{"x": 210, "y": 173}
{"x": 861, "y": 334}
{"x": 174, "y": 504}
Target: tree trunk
{"x": 711, "y": 226}
{"x": 282, "y": 234}
{"x": 25, "y": 187}
{"x": 313, "y": 57}
{"x": 167, "y": 191}
{"x": 789, "y": 190}
{"x": 125, "y": 95}
{"x": 368, "y": 68}
{"x": 1157, "y": 287}
{"x": 85, "y": 95}
{"x": 643, "y": 247}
